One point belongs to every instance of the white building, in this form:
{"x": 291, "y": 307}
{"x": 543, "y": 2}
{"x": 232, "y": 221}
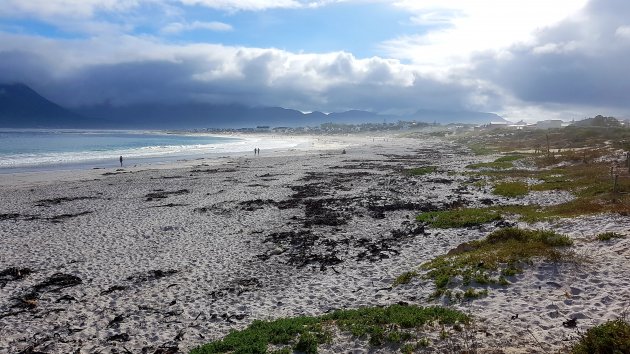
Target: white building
{"x": 549, "y": 124}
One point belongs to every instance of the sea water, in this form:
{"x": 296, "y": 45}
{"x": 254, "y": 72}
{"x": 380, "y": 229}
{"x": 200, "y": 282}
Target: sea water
{"x": 41, "y": 150}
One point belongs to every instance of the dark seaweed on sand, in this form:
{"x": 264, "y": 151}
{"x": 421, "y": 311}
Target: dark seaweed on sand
{"x": 164, "y": 194}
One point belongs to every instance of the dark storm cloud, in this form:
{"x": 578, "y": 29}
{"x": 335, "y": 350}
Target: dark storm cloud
{"x": 80, "y": 73}
{"x": 582, "y": 61}
{"x": 17, "y": 66}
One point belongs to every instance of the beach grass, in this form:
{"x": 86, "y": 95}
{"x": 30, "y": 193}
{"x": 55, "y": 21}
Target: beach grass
{"x": 420, "y": 171}
{"x": 568, "y": 138}
{"x": 503, "y": 162}
{"x": 502, "y": 253}
{"x": 533, "y": 213}
{"x": 395, "y": 325}
{"x": 609, "y": 337}
{"x": 405, "y": 278}
{"x": 511, "y": 189}
{"x": 591, "y": 184}
{"x": 465, "y": 217}
{"x": 480, "y": 149}
{"x": 492, "y": 165}
{"x": 606, "y": 236}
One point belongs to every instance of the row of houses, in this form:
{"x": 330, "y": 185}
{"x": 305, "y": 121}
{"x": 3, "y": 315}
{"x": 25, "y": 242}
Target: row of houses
{"x": 543, "y": 124}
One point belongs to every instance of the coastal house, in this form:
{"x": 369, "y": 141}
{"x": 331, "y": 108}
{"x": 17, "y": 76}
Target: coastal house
{"x": 549, "y": 124}
{"x": 496, "y": 125}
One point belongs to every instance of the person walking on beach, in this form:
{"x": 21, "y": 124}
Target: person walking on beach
{"x": 120, "y": 160}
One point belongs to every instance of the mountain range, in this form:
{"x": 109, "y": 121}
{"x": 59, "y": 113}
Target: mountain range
{"x": 22, "y": 107}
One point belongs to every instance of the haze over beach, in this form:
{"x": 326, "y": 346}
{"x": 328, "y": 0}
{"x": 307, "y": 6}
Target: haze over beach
{"x": 332, "y": 176}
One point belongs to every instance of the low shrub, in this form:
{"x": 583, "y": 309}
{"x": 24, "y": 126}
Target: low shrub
{"x": 488, "y": 261}
{"x": 605, "y": 236}
{"x": 511, "y": 189}
{"x": 459, "y": 217}
{"x": 609, "y": 337}
{"x": 395, "y": 324}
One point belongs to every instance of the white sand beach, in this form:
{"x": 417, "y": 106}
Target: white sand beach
{"x": 161, "y": 259}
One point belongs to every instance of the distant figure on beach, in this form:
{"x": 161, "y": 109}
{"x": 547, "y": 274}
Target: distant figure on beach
{"x": 120, "y": 161}
{"x": 258, "y": 152}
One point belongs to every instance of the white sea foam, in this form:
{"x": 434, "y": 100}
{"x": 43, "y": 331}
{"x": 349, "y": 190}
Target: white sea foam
{"x": 239, "y": 145}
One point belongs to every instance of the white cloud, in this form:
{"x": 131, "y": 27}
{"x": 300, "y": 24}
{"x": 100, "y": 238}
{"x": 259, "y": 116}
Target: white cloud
{"x": 623, "y": 31}
{"x": 258, "y": 5}
{"x": 556, "y": 48}
{"x": 178, "y": 27}
{"x": 250, "y": 5}
{"x": 64, "y": 8}
{"x": 124, "y": 68}
{"x": 473, "y": 26}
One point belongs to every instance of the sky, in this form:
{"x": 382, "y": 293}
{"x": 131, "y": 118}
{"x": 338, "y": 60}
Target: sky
{"x": 532, "y": 60}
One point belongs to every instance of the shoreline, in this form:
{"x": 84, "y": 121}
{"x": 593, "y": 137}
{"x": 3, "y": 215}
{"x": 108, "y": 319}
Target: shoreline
{"x": 83, "y": 160}
{"x": 81, "y": 170}
{"x": 178, "y": 256}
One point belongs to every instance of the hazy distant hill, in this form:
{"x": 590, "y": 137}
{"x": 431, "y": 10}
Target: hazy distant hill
{"x": 200, "y": 115}
{"x": 599, "y": 121}
{"x": 21, "y": 107}
{"x": 469, "y": 117}
{"x": 194, "y": 115}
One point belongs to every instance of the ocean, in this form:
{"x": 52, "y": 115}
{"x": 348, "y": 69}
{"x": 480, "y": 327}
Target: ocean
{"x": 42, "y": 150}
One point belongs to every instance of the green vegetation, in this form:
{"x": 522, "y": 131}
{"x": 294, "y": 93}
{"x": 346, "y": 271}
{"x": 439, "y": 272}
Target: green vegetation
{"x": 478, "y": 149}
{"x": 567, "y": 160}
{"x": 471, "y": 293}
{"x": 511, "y": 189}
{"x": 257, "y": 337}
{"x": 509, "y": 158}
{"x": 599, "y": 121}
{"x": 605, "y": 236}
{"x": 420, "y": 171}
{"x": 459, "y": 217}
{"x": 405, "y": 278}
{"x": 488, "y": 261}
{"x": 565, "y": 138}
{"x": 590, "y": 183}
{"x": 503, "y": 162}
{"x": 395, "y": 324}
{"x": 609, "y": 337}
{"x": 494, "y": 165}
{"x": 423, "y": 343}
{"x": 378, "y": 323}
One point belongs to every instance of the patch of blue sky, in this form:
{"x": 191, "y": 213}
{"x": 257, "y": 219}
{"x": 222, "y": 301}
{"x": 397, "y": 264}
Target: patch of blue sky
{"x": 34, "y": 27}
{"x": 337, "y": 27}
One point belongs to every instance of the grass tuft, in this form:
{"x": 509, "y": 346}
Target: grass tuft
{"x": 420, "y": 171}
{"x": 605, "y": 236}
{"x": 380, "y": 325}
{"x": 479, "y": 149}
{"x": 511, "y": 189}
{"x": 509, "y": 158}
{"x": 466, "y": 217}
{"x": 609, "y": 337}
{"x": 500, "y": 254}
{"x": 503, "y": 162}
{"x": 405, "y": 278}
